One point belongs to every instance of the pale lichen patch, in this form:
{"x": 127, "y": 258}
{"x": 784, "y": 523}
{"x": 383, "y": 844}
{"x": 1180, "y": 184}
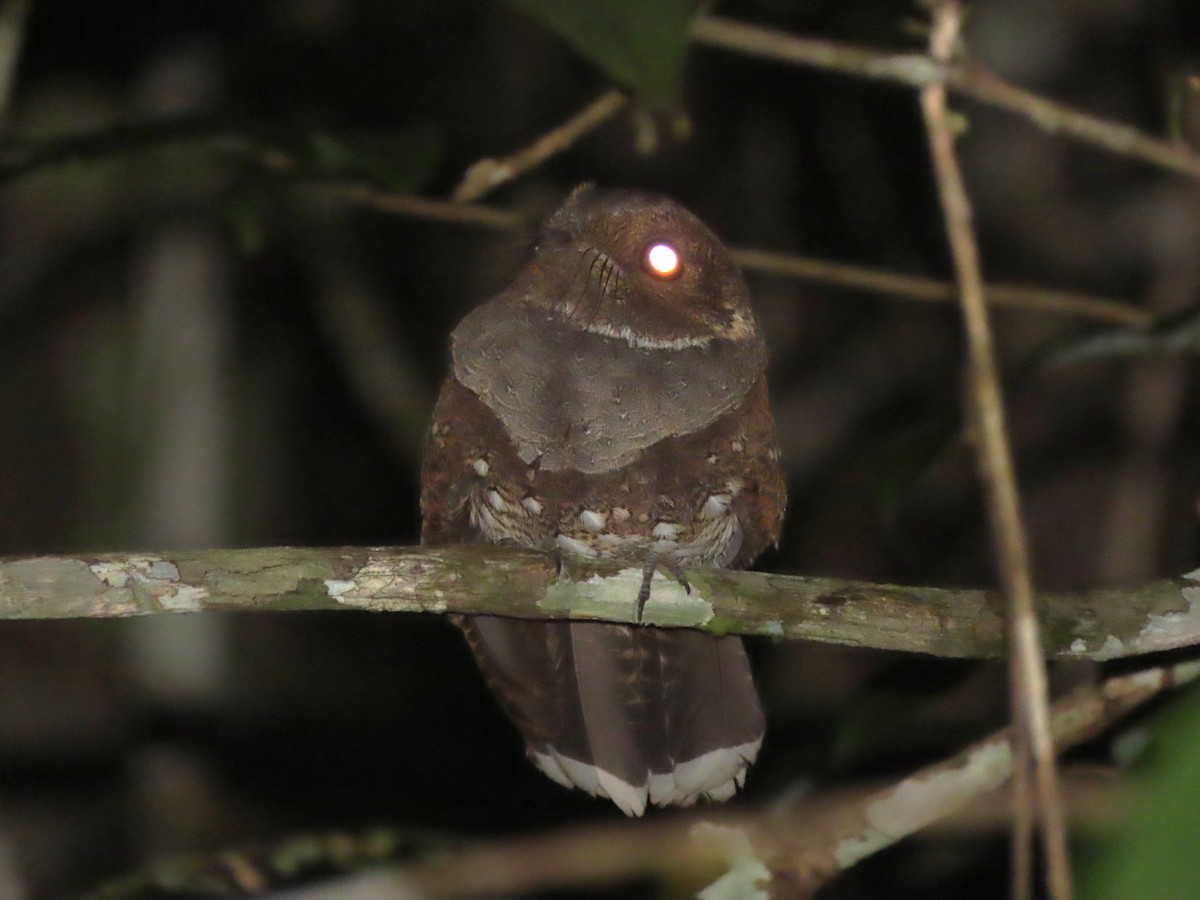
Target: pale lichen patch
{"x": 917, "y": 801}
{"x": 111, "y": 573}
{"x": 1165, "y": 631}
{"x": 375, "y": 586}
{"x": 747, "y": 876}
{"x": 1192, "y": 594}
{"x": 336, "y": 587}
{"x": 614, "y": 597}
{"x": 1147, "y": 679}
{"x": 152, "y": 577}
{"x": 183, "y": 598}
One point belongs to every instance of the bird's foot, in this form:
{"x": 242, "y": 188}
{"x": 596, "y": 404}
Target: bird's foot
{"x": 653, "y": 563}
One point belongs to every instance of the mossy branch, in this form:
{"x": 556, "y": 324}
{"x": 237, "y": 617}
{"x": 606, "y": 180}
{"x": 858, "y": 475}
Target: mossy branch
{"x": 1096, "y": 624}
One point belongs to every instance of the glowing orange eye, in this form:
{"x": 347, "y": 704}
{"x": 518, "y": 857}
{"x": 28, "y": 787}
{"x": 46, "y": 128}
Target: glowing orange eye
{"x": 662, "y": 260}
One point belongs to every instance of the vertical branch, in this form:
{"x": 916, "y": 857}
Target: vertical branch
{"x": 1030, "y": 706}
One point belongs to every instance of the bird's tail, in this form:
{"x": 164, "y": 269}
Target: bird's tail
{"x": 636, "y": 714}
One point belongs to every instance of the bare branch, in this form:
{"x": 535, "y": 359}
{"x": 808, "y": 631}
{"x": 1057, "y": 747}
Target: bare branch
{"x": 426, "y": 207}
{"x": 1099, "y": 624}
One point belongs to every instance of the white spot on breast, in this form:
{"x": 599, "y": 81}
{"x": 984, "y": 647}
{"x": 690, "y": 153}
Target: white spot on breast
{"x": 737, "y": 446}
{"x": 620, "y": 514}
{"x": 715, "y": 506}
{"x": 532, "y": 506}
{"x": 481, "y": 467}
{"x": 666, "y": 531}
{"x": 496, "y": 502}
{"x": 592, "y": 521}
{"x": 574, "y": 546}
{"x": 734, "y": 486}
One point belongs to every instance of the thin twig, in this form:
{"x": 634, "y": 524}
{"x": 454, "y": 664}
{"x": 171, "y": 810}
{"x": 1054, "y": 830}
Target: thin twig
{"x": 972, "y": 81}
{"x": 930, "y": 290}
{"x": 1101, "y": 624}
{"x": 488, "y": 174}
{"x": 1029, "y": 689}
{"x": 427, "y": 207}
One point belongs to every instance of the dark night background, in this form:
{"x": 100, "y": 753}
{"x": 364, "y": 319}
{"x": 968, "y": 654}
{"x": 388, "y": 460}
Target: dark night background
{"x": 201, "y": 353}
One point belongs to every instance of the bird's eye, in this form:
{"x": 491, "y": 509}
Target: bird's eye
{"x": 662, "y": 260}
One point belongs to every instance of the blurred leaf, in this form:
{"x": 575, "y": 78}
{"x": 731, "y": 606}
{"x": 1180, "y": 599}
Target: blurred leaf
{"x": 402, "y": 161}
{"x": 1153, "y": 854}
{"x": 1173, "y": 335}
{"x": 900, "y": 465}
{"x": 640, "y": 43}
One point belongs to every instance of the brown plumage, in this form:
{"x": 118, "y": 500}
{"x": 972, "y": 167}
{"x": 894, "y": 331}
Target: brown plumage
{"x": 606, "y": 408}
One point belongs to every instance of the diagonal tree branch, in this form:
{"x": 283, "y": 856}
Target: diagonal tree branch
{"x": 1101, "y": 624}
{"x": 487, "y": 174}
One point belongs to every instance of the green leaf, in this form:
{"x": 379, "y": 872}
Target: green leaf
{"x": 1153, "y": 854}
{"x": 640, "y": 43}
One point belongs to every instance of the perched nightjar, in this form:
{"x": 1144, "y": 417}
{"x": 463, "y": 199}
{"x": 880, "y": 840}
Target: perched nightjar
{"x": 611, "y": 402}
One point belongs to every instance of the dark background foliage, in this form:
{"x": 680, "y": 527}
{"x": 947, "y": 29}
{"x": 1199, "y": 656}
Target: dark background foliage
{"x": 202, "y": 351}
